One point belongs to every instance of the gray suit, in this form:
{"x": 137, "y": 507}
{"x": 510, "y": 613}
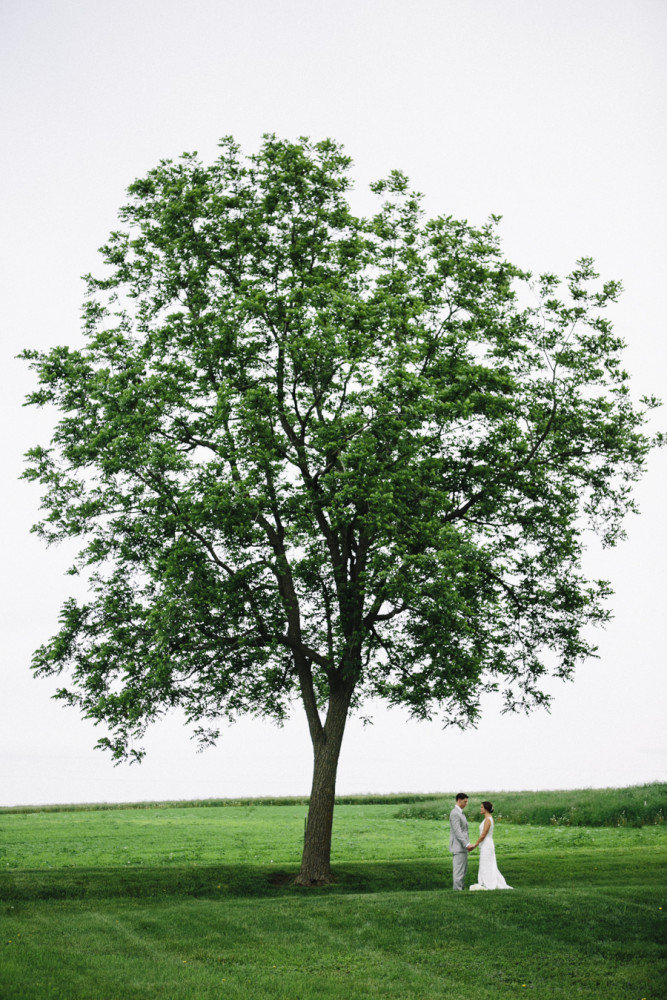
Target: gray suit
{"x": 458, "y": 845}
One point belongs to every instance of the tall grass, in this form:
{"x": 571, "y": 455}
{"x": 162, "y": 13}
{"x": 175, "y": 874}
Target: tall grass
{"x": 397, "y": 798}
{"x": 638, "y": 805}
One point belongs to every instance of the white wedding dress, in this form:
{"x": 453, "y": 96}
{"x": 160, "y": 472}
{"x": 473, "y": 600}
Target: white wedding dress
{"x": 488, "y": 877}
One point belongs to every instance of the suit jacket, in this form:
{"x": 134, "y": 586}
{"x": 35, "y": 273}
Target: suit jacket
{"x": 458, "y": 831}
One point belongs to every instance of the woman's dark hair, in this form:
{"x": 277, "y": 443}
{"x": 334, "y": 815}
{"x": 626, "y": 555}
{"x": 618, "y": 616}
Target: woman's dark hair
{"x": 488, "y": 806}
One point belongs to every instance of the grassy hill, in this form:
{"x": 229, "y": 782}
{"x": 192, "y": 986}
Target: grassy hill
{"x": 636, "y": 805}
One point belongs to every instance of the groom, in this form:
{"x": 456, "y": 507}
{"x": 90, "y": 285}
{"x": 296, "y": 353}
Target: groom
{"x": 459, "y": 844}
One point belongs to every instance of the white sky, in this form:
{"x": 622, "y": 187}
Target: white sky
{"x": 552, "y": 114}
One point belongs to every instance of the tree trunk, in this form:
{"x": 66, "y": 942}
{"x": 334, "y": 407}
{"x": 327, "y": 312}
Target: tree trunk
{"x": 316, "y": 859}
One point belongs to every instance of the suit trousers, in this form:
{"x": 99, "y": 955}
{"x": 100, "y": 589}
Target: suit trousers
{"x": 460, "y": 864}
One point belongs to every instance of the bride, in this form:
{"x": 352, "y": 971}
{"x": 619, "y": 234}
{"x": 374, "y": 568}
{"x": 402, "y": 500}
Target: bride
{"x": 488, "y": 877}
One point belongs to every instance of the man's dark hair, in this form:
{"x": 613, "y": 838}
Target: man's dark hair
{"x": 462, "y": 795}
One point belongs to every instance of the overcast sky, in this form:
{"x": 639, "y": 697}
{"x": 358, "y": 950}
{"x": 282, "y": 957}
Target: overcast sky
{"x": 550, "y": 114}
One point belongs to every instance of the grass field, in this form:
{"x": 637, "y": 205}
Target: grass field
{"x": 176, "y": 902}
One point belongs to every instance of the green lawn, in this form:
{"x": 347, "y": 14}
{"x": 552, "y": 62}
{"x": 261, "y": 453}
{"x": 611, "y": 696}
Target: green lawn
{"x": 178, "y": 903}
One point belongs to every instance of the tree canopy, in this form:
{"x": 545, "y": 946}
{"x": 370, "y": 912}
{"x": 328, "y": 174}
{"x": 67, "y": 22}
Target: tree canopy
{"x": 312, "y": 455}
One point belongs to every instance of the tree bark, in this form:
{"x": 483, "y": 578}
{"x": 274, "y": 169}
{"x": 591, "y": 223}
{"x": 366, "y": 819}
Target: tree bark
{"x": 316, "y": 859}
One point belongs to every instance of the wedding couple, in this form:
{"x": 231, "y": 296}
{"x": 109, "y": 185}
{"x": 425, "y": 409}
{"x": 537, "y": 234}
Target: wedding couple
{"x": 459, "y": 844}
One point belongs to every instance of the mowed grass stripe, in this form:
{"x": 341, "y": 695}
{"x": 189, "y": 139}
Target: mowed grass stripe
{"x": 554, "y": 943}
{"x": 602, "y": 867}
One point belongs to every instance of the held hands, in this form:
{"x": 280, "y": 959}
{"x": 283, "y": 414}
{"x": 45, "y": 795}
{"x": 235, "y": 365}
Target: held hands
{"x": 471, "y": 847}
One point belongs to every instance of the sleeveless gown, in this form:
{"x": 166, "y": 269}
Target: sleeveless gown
{"x": 488, "y": 877}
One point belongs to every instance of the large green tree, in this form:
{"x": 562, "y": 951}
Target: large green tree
{"x": 316, "y": 456}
